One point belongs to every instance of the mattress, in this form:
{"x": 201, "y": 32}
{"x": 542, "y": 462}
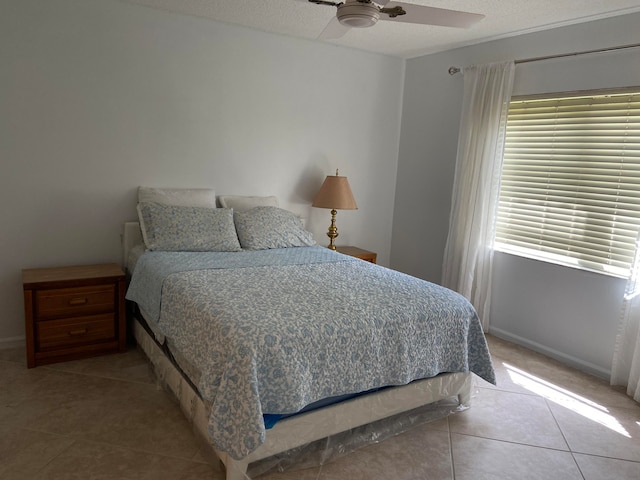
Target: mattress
{"x": 273, "y": 331}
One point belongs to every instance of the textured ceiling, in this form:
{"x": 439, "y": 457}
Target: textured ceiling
{"x": 503, "y": 18}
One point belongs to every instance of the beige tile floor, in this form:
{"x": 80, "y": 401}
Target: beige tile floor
{"x": 106, "y": 418}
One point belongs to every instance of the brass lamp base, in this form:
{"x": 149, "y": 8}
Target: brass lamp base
{"x": 333, "y": 230}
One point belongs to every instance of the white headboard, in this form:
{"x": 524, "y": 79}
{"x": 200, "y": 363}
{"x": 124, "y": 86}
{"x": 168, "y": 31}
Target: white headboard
{"x": 132, "y": 236}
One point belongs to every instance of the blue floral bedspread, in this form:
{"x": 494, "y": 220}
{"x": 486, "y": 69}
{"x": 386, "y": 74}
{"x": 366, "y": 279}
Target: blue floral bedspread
{"x": 275, "y": 330}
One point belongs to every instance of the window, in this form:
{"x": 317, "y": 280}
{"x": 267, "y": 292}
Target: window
{"x": 570, "y": 188}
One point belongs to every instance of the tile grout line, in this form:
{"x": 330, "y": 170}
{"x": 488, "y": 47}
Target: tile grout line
{"x": 574, "y": 452}
{"x": 72, "y": 444}
{"x": 76, "y": 438}
{"x": 575, "y": 461}
{"x": 94, "y": 375}
{"x": 80, "y": 438}
{"x": 453, "y": 465}
{"x": 514, "y": 443}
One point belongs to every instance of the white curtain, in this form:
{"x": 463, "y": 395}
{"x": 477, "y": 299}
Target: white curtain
{"x": 468, "y": 255}
{"x": 626, "y": 358}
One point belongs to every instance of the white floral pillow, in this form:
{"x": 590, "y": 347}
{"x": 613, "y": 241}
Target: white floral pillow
{"x": 187, "y": 229}
{"x": 270, "y": 227}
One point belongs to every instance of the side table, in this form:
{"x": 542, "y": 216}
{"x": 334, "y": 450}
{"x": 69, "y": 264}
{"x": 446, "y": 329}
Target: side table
{"x": 73, "y": 312}
{"x": 365, "y": 255}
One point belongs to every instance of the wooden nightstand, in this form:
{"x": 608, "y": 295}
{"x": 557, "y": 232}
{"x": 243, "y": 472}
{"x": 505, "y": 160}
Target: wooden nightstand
{"x": 358, "y": 253}
{"x": 73, "y": 312}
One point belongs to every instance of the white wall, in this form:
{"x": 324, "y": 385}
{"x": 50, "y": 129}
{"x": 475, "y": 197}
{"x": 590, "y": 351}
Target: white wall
{"x": 568, "y": 314}
{"x": 98, "y": 97}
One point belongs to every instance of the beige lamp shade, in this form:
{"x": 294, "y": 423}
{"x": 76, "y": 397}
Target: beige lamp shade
{"x": 335, "y": 193}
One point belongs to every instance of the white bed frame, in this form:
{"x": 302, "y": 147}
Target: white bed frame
{"x": 304, "y": 428}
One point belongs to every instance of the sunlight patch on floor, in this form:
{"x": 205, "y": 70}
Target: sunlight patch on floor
{"x": 565, "y": 398}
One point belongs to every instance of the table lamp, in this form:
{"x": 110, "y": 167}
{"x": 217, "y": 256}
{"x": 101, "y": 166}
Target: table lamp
{"x": 335, "y": 194}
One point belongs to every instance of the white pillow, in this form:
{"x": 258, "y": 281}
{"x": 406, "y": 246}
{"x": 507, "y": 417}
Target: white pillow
{"x": 184, "y": 197}
{"x": 242, "y": 203}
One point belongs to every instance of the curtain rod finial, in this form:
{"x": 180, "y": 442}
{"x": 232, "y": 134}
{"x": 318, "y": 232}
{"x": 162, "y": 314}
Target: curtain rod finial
{"x": 453, "y": 70}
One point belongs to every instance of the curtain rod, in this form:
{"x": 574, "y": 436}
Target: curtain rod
{"x": 454, "y": 70}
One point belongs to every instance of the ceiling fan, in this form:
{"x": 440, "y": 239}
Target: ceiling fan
{"x": 366, "y": 13}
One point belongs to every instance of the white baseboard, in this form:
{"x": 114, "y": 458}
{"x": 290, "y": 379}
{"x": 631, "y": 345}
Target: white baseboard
{"x": 12, "y": 342}
{"x": 550, "y": 352}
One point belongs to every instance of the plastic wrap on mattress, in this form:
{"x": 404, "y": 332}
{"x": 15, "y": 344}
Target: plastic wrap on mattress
{"x": 339, "y": 445}
{"x": 310, "y": 454}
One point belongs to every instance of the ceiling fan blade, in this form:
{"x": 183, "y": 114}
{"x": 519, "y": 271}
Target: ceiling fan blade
{"x": 334, "y": 29}
{"x": 432, "y": 16}
{"x": 322, "y": 2}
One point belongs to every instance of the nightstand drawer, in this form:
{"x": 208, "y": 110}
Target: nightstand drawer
{"x": 75, "y": 331}
{"x": 66, "y": 302}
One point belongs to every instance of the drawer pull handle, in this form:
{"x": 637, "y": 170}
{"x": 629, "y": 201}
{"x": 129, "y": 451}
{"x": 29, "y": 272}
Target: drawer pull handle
{"x": 78, "y": 301}
{"x": 77, "y": 332}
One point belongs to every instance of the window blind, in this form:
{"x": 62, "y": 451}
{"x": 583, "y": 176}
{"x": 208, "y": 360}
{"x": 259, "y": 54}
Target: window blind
{"x": 570, "y": 185}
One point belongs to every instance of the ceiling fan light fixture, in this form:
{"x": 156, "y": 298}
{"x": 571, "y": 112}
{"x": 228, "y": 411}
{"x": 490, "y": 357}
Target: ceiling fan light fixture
{"x": 359, "y": 15}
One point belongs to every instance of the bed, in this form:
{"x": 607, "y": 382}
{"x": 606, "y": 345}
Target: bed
{"x": 259, "y": 326}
